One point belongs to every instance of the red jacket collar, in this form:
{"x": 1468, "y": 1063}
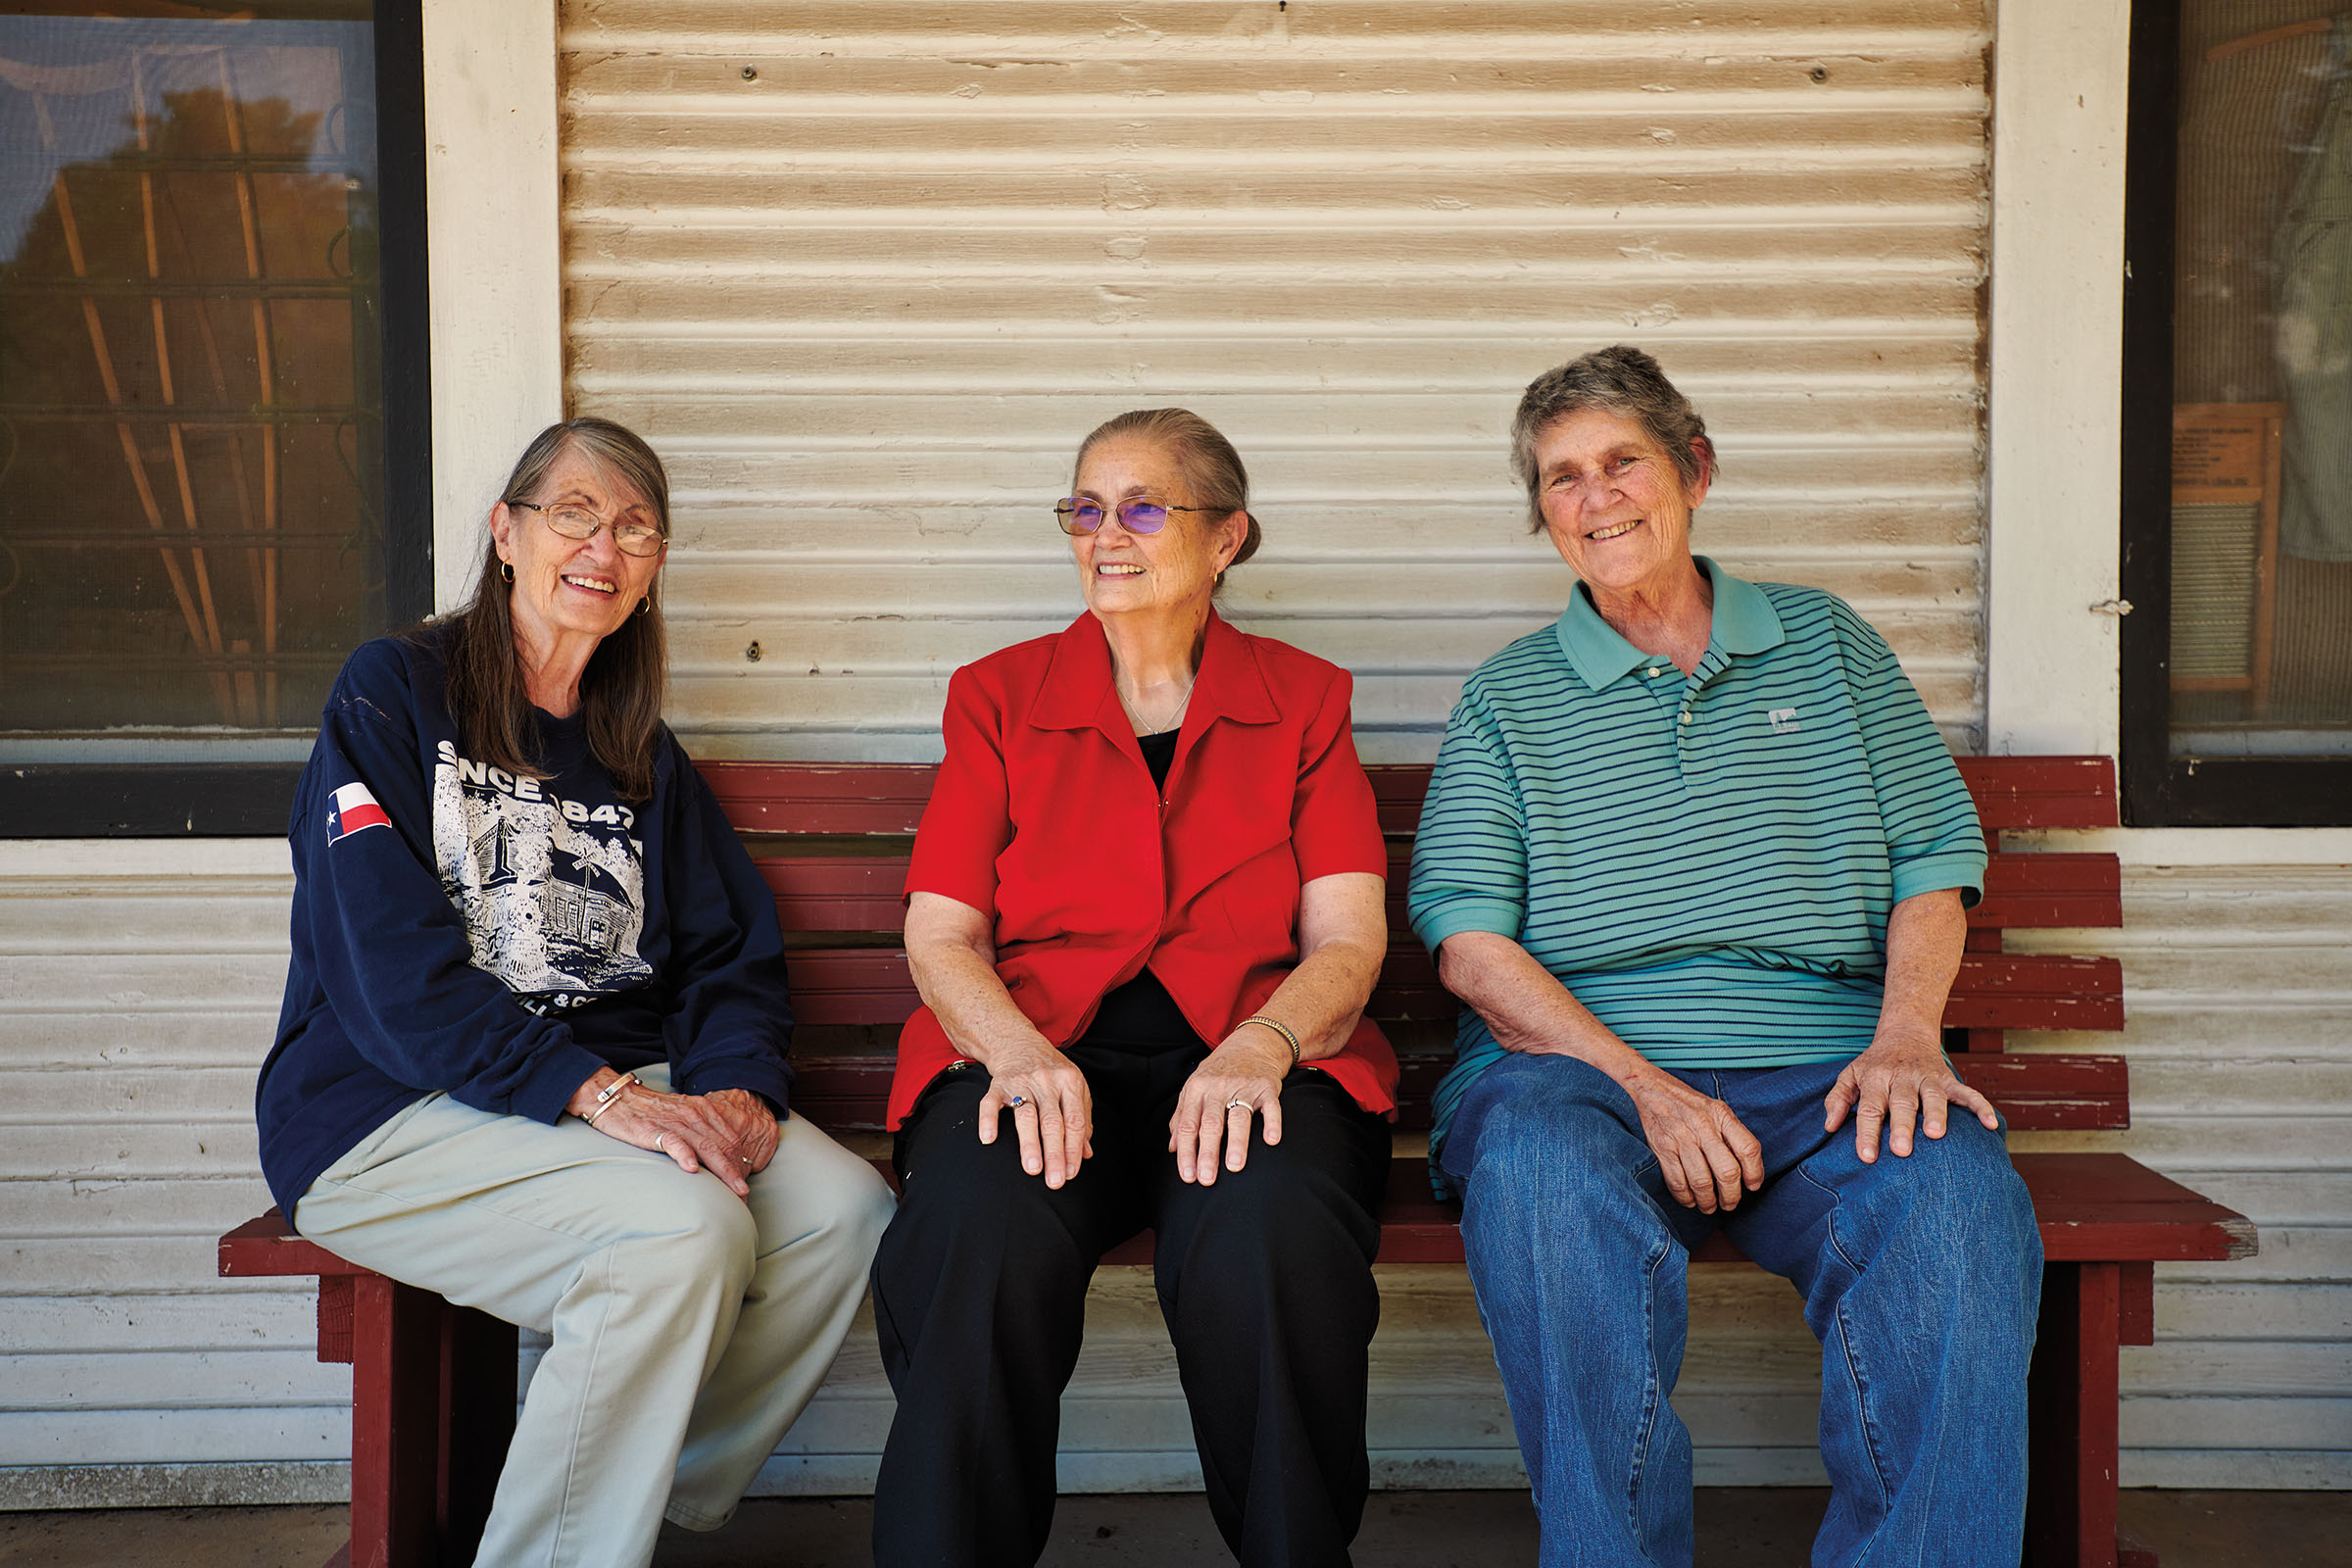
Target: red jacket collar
{"x": 1078, "y": 692}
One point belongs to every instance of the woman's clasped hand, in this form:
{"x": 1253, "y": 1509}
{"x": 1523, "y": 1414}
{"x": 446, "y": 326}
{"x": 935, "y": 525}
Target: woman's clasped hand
{"x": 730, "y": 1133}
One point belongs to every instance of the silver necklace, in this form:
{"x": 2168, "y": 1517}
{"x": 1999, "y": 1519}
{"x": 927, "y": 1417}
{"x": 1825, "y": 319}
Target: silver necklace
{"x": 1150, "y": 728}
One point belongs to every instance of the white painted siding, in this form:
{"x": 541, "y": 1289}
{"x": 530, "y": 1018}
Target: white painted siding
{"x": 866, "y": 273}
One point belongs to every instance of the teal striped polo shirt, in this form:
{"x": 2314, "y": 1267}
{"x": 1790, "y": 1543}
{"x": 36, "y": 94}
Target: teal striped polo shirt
{"x": 1707, "y": 862}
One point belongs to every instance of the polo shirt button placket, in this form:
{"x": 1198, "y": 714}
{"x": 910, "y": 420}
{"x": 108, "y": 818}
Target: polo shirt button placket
{"x": 1685, "y": 739}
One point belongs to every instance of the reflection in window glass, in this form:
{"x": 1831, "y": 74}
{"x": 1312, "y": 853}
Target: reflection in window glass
{"x": 2262, "y": 418}
{"x": 190, "y": 401}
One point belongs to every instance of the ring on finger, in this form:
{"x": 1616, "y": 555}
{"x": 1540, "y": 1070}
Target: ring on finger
{"x": 1238, "y": 1104}
{"x": 1016, "y": 1101}
{"x": 658, "y": 1137}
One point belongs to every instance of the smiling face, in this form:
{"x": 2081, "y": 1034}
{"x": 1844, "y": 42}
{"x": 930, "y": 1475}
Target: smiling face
{"x": 1614, "y": 502}
{"x": 1173, "y": 570}
{"x": 566, "y": 589}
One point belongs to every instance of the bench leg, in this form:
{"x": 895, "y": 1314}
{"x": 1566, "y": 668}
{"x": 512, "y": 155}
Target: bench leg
{"x": 395, "y": 1425}
{"x": 433, "y": 1410}
{"x": 2071, "y": 1483}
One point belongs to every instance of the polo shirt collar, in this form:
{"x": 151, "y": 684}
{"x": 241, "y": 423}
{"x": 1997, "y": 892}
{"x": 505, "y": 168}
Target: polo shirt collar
{"x": 1078, "y": 692}
{"x": 1744, "y": 622}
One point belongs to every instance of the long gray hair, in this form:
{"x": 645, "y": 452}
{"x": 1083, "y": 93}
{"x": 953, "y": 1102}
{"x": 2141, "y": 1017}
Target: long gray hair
{"x": 1622, "y": 380}
{"x": 620, "y": 690}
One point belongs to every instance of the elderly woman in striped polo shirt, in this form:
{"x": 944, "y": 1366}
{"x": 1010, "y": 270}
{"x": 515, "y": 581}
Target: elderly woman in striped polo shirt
{"x": 1695, "y": 860}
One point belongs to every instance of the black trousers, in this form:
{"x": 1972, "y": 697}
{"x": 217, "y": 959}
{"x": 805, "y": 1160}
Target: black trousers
{"x": 1264, "y": 1280}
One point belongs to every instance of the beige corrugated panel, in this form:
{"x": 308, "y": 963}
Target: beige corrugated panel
{"x": 134, "y": 1008}
{"x": 866, "y": 273}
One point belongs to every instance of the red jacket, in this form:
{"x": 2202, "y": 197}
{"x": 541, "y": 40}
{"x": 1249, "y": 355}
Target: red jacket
{"x": 1045, "y": 819}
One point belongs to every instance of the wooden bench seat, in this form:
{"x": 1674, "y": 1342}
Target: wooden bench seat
{"x": 433, "y": 1386}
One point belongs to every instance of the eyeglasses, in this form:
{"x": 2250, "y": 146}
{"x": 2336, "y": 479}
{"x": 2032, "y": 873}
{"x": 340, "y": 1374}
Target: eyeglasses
{"x": 1135, "y": 513}
{"x": 578, "y": 522}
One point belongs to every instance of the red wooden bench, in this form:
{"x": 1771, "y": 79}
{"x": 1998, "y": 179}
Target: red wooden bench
{"x": 432, "y": 1386}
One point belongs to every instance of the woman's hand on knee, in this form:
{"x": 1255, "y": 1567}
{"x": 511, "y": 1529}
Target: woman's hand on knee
{"x": 1901, "y": 1083}
{"x": 1707, "y": 1158}
{"x": 1241, "y": 1078}
{"x": 1053, "y": 1109}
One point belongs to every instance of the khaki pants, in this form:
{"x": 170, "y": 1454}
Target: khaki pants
{"x": 689, "y": 1325}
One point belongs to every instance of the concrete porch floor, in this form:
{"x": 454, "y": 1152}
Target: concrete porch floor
{"x": 1737, "y": 1528}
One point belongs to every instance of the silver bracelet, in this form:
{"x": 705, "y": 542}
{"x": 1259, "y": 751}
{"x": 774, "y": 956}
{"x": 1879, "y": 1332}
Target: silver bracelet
{"x": 605, "y": 1096}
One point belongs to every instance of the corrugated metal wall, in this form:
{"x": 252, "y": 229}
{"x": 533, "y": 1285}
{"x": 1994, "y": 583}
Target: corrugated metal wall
{"x": 866, "y": 273}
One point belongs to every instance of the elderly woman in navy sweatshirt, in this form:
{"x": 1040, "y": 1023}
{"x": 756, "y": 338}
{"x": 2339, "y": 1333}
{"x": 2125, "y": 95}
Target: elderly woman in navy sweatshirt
{"x": 532, "y": 1050}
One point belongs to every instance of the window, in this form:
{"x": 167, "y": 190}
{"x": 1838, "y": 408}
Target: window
{"x": 2237, "y": 442}
{"x": 212, "y": 399}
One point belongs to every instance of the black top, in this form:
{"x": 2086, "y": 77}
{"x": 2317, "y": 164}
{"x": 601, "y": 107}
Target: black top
{"x": 1160, "y": 755}
{"x": 1140, "y": 1016}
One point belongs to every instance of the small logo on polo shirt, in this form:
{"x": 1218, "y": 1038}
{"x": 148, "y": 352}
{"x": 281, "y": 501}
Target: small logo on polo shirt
{"x": 1783, "y": 721}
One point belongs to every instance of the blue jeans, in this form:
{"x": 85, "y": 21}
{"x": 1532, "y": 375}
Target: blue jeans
{"x": 1921, "y": 1277}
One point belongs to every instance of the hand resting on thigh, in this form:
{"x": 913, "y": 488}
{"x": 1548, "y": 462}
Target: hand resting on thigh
{"x": 730, "y": 1133}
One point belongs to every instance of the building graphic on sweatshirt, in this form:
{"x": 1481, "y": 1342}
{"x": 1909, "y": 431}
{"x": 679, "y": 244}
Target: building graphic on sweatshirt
{"x": 554, "y": 895}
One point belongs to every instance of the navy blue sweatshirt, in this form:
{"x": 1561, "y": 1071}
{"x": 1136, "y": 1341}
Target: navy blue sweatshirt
{"x": 458, "y": 928}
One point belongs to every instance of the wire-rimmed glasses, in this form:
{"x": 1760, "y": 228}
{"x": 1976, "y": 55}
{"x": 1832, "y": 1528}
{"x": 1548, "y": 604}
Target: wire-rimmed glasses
{"x": 1135, "y": 513}
{"x": 578, "y": 522}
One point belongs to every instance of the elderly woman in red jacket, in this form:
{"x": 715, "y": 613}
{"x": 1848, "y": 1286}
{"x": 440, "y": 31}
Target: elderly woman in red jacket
{"x": 1145, "y": 914}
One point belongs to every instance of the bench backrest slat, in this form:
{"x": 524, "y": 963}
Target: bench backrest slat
{"x": 821, "y": 798}
{"x": 2031, "y": 792}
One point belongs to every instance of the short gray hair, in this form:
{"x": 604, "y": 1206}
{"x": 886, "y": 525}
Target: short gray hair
{"x": 1620, "y": 379}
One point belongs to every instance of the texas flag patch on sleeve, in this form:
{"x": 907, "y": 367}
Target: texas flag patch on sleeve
{"x": 351, "y": 809}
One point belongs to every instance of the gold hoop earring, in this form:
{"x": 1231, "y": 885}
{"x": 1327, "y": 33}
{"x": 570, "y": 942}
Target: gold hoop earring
{"x": 645, "y": 605}
{"x": 505, "y": 572}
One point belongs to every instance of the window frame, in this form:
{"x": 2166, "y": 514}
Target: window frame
{"x": 251, "y": 799}
{"x": 2160, "y": 789}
